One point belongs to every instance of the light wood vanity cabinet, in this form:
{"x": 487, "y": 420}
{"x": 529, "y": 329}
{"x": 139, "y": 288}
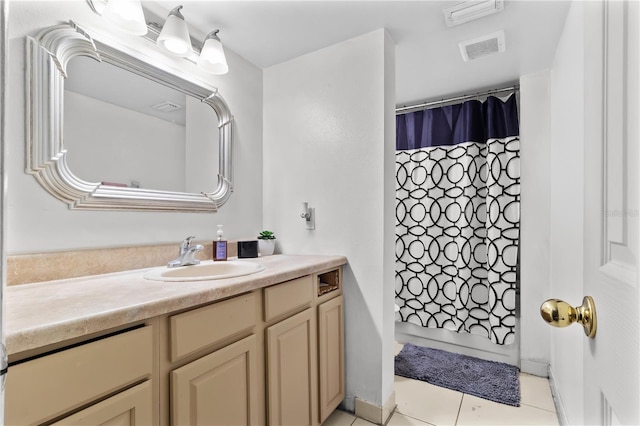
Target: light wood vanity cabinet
{"x": 291, "y": 357}
{"x": 305, "y": 352}
{"x": 218, "y": 389}
{"x": 274, "y": 356}
{"x": 220, "y": 322}
{"x": 220, "y": 382}
{"x": 292, "y": 370}
{"x": 331, "y": 355}
{"x": 283, "y": 300}
{"x": 131, "y": 407}
{"x": 270, "y": 356}
{"x": 102, "y": 381}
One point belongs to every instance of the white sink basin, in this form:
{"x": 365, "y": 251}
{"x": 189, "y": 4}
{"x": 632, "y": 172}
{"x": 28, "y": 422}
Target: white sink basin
{"x": 208, "y": 270}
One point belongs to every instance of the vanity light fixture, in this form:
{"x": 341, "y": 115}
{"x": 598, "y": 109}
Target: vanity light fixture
{"x": 126, "y": 15}
{"x": 174, "y": 36}
{"x": 212, "y": 58}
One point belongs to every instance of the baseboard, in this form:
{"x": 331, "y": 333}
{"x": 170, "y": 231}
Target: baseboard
{"x": 461, "y": 343}
{"x": 374, "y": 413}
{"x": 557, "y": 400}
{"x": 537, "y": 368}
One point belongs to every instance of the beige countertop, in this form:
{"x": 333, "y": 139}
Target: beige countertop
{"x": 45, "y": 313}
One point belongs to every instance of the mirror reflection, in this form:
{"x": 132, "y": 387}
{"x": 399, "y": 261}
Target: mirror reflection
{"x": 124, "y": 130}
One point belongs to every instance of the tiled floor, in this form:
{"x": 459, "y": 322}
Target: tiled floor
{"x": 420, "y": 403}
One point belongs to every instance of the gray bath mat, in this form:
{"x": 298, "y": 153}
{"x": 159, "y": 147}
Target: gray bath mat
{"x": 495, "y": 381}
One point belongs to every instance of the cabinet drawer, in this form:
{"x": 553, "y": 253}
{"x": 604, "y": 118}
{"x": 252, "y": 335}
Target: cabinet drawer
{"x": 49, "y": 386}
{"x": 287, "y": 298}
{"x": 202, "y": 327}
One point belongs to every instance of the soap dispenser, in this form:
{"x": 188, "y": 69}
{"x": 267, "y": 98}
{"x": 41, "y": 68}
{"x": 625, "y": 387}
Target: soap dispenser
{"x": 220, "y": 246}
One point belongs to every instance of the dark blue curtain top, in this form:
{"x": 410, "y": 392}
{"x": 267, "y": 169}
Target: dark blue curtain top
{"x": 471, "y": 121}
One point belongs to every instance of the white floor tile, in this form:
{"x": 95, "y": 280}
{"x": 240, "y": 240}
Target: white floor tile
{"x": 426, "y": 402}
{"x": 397, "y": 348}
{"x": 478, "y": 411}
{"x": 535, "y": 391}
{"x": 401, "y": 420}
{"x": 362, "y": 422}
{"x": 339, "y": 418}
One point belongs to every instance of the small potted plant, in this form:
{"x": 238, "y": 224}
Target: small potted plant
{"x": 266, "y": 243}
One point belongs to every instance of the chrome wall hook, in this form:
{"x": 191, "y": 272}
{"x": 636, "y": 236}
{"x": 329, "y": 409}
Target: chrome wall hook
{"x": 308, "y": 214}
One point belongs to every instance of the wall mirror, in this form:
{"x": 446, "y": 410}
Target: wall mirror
{"x": 114, "y": 129}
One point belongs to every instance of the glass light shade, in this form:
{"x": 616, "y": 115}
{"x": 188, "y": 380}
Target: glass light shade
{"x": 174, "y": 36}
{"x": 126, "y": 15}
{"x": 212, "y": 58}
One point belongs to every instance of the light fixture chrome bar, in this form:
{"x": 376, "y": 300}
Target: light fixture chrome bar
{"x": 439, "y": 102}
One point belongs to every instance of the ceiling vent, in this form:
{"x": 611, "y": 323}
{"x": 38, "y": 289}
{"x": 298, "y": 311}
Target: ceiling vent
{"x": 167, "y": 106}
{"x": 482, "y": 46}
{"x": 470, "y": 10}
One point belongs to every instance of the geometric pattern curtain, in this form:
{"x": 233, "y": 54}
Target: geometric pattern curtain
{"x": 458, "y": 217}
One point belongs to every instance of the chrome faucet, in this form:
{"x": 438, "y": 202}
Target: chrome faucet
{"x": 187, "y": 254}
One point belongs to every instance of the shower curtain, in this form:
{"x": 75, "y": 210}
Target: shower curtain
{"x": 458, "y": 217}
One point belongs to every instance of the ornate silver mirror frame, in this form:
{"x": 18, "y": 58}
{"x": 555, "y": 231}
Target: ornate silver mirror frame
{"x": 48, "y": 54}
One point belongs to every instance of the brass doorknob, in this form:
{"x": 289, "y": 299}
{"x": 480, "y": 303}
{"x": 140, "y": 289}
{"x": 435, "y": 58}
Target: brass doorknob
{"x": 560, "y": 314}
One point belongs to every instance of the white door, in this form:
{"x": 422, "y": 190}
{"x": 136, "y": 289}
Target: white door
{"x": 612, "y": 170}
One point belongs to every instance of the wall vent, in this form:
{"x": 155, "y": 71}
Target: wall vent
{"x": 470, "y": 10}
{"x": 482, "y": 46}
{"x": 167, "y": 106}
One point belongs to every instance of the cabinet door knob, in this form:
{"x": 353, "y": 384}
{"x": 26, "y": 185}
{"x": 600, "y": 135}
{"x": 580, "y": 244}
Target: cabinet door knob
{"x": 559, "y": 313}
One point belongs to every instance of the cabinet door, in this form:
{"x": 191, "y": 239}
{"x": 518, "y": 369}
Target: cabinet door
{"x": 219, "y": 388}
{"x": 292, "y": 371}
{"x": 331, "y": 355}
{"x": 131, "y": 407}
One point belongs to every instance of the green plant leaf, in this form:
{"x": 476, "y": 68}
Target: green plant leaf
{"x": 266, "y": 235}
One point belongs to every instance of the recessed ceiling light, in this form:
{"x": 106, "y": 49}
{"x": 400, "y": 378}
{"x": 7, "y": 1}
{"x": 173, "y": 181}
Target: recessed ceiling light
{"x": 470, "y": 10}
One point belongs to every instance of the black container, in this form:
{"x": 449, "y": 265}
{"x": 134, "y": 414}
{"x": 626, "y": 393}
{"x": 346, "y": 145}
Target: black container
{"x": 247, "y": 249}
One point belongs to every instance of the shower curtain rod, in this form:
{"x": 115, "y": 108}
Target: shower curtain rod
{"x": 424, "y": 105}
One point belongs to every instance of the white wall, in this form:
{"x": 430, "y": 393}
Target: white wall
{"x": 566, "y": 189}
{"x": 39, "y": 222}
{"x": 535, "y": 238}
{"x": 329, "y": 137}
